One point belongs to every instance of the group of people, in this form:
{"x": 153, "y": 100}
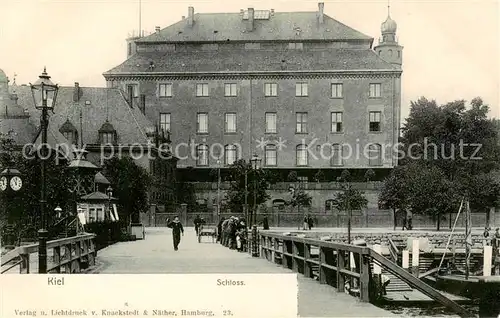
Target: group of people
{"x": 495, "y": 244}
{"x": 233, "y": 233}
{"x": 308, "y": 222}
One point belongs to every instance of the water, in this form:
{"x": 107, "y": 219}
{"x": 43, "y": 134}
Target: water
{"x": 428, "y": 311}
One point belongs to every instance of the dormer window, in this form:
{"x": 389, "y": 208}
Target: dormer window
{"x": 107, "y": 134}
{"x": 69, "y": 132}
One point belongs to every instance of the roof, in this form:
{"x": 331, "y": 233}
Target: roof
{"x": 67, "y": 127}
{"x": 98, "y": 196}
{"x": 253, "y": 61}
{"x": 23, "y": 131}
{"x": 95, "y": 103}
{"x": 280, "y": 26}
{"x": 100, "y": 178}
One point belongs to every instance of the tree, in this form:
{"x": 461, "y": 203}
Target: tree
{"x": 131, "y": 185}
{"x": 349, "y": 199}
{"x": 21, "y": 210}
{"x": 444, "y": 143}
{"x": 319, "y": 176}
{"x": 235, "y": 196}
{"x": 369, "y": 175}
{"x": 395, "y": 192}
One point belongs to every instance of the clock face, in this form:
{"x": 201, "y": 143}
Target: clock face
{"x": 16, "y": 183}
{"x": 3, "y": 183}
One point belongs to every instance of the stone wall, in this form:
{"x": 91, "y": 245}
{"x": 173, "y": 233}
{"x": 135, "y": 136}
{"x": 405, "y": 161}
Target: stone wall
{"x": 369, "y": 218}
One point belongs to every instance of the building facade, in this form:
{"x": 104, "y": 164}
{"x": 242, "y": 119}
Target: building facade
{"x": 98, "y": 119}
{"x": 300, "y": 89}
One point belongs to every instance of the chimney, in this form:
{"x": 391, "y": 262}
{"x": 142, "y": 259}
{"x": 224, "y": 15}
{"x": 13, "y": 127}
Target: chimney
{"x": 250, "y": 25}
{"x": 142, "y": 104}
{"x": 183, "y": 17}
{"x": 321, "y": 7}
{"x": 272, "y": 12}
{"x": 157, "y": 29}
{"x": 76, "y": 92}
{"x": 190, "y": 16}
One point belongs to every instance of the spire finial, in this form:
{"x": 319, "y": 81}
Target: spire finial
{"x": 388, "y": 8}
{"x": 45, "y": 70}
{"x": 14, "y": 81}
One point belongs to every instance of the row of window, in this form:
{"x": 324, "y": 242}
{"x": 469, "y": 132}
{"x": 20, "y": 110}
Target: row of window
{"x": 271, "y": 122}
{"x": 215, "y": 46}
{"x": 301, "y": 152}
{"x": 270, "y": 90}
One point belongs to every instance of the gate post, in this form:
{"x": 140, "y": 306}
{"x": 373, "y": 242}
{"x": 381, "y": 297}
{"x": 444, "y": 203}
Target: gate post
{"x": 183, "y": 215}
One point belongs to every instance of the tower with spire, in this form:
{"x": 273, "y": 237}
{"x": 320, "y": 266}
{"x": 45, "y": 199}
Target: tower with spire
{"x": 388, "y": 47}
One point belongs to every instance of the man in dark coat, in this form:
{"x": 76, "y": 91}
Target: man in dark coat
{"x": 177, "y": 229}
{"x": 219, "y": 230}
{"x": 197, "y": 223}
{"x": 310, "y": 222}
{"x": 265, "y": 223}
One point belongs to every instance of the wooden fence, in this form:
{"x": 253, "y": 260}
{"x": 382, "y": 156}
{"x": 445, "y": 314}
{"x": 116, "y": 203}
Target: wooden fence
{"x": 67, "y": 255}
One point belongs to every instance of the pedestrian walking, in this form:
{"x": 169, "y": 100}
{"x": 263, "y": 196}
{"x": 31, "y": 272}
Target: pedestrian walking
{"x": 405, "y": 220}
{"x": 486, "y": 235}
{"x": 310, "y": 222}
{"x": 177, "y": 230}
{"x": 409, "y": 216}
{"x": 219, "y": 230}
{"x": 265, "y": 223}
{"x": 306, "y": 223}
{"x": 197, "y": 223}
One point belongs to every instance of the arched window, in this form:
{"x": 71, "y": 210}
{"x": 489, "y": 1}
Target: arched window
{"x": 375, "y": 155}
{"x": 202, "y": 155}
{"x": 336, "y": 159}
{"x": 329, "y": 205}
{"x": 69, "y": 132}
{"x": 271, "y": 155}
{"x": 302, "y": 155}
{"x": 107, "y": 134}
{"x": 229, "y": 154}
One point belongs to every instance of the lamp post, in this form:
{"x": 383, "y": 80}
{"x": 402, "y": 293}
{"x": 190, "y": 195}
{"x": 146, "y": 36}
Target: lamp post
{"x": 44, "y": 96}
{"x": 218, "y": 191}
{"x": 255, "y": 166}
{"x": 109, "y": 192}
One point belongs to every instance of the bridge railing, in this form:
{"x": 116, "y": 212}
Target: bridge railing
{"x": 67, "y": 255}
{"x": 335, "y": 263}
{"x": 338, "y": 263}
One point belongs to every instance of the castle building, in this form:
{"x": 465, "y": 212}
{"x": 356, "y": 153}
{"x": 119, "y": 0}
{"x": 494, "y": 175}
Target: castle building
{"x": 302, "y": 90}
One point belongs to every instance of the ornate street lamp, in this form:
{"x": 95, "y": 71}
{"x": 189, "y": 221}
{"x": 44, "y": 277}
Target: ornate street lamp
{"x": 44, "y": 96}
{"x": 58, "y": 211}
{"x": 255, "y": 166}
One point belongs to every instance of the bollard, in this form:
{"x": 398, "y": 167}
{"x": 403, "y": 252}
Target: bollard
{"x": 406, "y": 259}
{"x": 488, "y": 251}
{"x": 376, "y": 268}
{"x": 377, "y": 272}
{"x": 415, "y": 256}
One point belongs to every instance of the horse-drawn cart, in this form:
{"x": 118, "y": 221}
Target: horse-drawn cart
{"x": 207, "y": 230}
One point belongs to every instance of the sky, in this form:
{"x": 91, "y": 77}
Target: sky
{"x": 451, "y": 48}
